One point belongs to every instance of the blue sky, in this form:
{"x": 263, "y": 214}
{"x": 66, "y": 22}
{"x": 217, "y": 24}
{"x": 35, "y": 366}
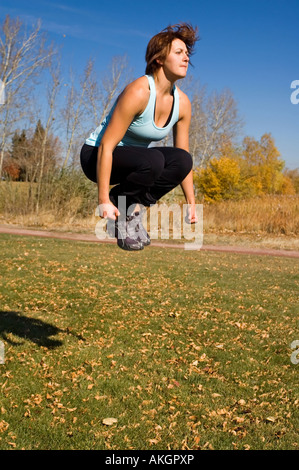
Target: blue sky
{"x": 248, "y": 46}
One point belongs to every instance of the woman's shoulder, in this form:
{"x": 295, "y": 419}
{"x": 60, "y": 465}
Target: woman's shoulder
{"x": 137, "y": 91}
{"x": 185, "y": 105}
{"x": 138, "y": 87}
{"x": 184, "y": 100}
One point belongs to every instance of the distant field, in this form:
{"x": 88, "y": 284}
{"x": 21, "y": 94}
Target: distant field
{"x": 71, "y": 206}
{"x": 186, "y": 350}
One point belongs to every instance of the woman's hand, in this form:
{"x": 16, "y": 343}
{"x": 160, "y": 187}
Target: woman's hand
{"x": 191, "y": 216}
{"x": 107, "y": 210}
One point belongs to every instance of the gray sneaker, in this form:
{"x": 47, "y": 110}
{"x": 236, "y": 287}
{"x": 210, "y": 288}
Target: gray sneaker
{"x": 124, "y": 230}
{"x": 142, "y": 234}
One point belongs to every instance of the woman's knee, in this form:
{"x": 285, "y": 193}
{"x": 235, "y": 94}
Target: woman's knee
{"x": 184, "y": 161}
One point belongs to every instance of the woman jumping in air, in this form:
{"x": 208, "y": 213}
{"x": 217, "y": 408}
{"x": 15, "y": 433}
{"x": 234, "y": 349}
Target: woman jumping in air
{"x": 117, "y": 153}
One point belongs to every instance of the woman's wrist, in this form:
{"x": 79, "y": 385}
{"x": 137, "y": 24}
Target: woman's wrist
{"x": 190, "y": 201}
{"x": 104, "y": 200}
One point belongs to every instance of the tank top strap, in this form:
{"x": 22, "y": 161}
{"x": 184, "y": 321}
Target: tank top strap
{"x": 176, "y": 108}
{"x": 152, "y": 85}
{"x": 151, "y": 82}
{"x": 148, "y": 112}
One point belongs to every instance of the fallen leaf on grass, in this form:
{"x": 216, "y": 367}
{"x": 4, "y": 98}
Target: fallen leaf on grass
{"x": 109, "y": 421}
{"x": 3, "y": 426}
{"x": 153, "y": 441}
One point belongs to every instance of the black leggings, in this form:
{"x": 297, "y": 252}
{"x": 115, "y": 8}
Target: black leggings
{"x": 142, "y": 174}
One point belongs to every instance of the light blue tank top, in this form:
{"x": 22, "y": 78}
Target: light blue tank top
{"x": 142, "y": 130}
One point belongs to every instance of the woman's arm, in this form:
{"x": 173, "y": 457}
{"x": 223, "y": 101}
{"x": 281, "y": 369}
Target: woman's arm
{"x": 181, "y": 140}
{"x": 131, "y": 102}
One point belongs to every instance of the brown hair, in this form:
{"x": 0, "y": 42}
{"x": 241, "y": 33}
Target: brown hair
{"x": 159, "y": 46}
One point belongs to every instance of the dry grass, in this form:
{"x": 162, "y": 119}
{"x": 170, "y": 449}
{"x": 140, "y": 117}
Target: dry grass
{"x": 269, "y": 221}
{"x": 275, "y": 215}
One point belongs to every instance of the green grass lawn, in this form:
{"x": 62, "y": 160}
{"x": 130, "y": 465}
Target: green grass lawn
{"x": 187, "y": 350}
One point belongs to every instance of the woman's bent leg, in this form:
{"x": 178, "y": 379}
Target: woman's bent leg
{"x": 141, "y": 174}
{"x": 178, "y": 164}
{"x": 88, "y": 160}
{"x": 135, "y": 169}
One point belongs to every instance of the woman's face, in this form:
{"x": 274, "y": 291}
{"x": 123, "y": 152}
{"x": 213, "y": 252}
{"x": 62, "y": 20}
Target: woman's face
{"x": 176, "y": 63}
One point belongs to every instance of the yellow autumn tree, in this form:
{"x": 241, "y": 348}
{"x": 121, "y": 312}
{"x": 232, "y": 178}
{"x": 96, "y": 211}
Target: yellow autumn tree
{"x": 254, "y": 169}
{"x": 219, "y": 180}
{"x": 292, "y": 177}
{"x": 261, "y": 168}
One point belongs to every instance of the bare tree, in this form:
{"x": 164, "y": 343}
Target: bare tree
{"x": 87, "y": 106}
{"x": 198, "y": 126}
{"x": 101, "y": 94}
{"x": 23, "y": 57}
{"x": 215, "y": 120}
{"x": 52, "y": 96}
{"x": 116, "y": 78}
{"x": 75, "y": 109}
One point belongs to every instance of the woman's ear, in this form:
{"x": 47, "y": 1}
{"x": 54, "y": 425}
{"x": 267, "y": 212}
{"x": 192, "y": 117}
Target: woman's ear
{"x": 159, "y": 61}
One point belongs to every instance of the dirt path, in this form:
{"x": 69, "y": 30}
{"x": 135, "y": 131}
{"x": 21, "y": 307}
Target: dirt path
{"x": 93, "y": 238}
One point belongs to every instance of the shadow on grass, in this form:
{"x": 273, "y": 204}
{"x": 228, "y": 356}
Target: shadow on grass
{"x": 32, "y": 329}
